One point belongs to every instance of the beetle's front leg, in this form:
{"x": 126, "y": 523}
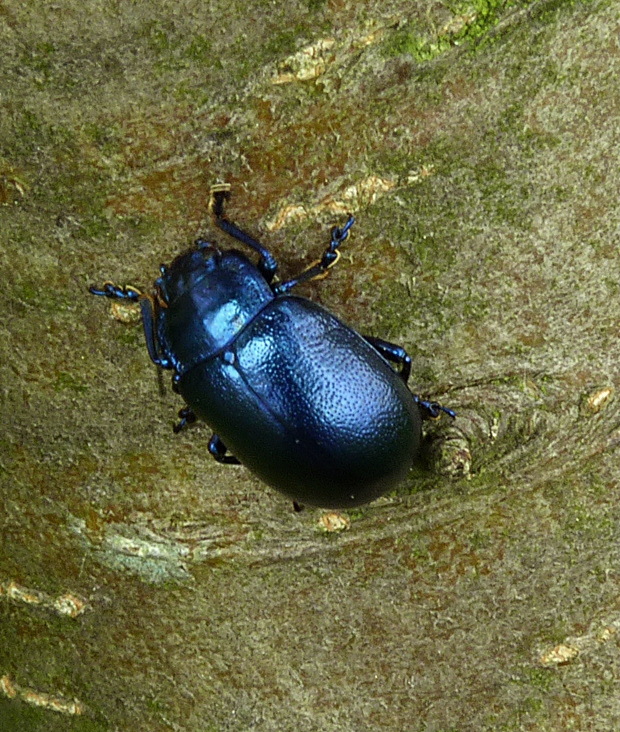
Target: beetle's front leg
{"x": 218, "y": 449}
{"x": 267, "y": 263}
{"x": 114, "y": 292}
{"x": 149, "y": 315}
{"x": 149, "y": 319}
{"x": 319, "y": 269}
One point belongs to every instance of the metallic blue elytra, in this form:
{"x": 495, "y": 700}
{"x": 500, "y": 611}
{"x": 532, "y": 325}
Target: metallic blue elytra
{"x": 311, "y": 407}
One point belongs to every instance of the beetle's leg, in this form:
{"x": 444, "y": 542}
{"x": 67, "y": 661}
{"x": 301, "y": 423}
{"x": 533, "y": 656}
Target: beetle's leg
{"x": 319, "y": 269}
{"x": 114, "y": 292}
{"x": 396, "y": 354}
{"x": 432, "y": 410}
{"x": 267, "y": 263}
{"x": 392, "y": 352}
{"x": 187, "y": 417}
{"x": 149, "y": 315}
{"x": 218, "y": 449}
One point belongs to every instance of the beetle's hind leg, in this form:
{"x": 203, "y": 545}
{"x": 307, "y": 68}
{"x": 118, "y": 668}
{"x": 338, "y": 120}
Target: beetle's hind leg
{"x": 267, "y": 263}
{"x": 398, "y": 355}
{"x": 218, "y": 449}
{"x": 392, "y": 352}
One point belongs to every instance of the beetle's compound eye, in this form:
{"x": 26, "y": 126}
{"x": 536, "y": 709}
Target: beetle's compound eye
{"x": 163, "y": 269}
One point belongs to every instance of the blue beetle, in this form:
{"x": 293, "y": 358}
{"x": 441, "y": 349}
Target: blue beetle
{"x": 306, "y": 403}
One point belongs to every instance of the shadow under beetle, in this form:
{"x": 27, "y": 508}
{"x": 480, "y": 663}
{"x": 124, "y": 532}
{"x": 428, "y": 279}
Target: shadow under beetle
{"x": 307, "y": 404}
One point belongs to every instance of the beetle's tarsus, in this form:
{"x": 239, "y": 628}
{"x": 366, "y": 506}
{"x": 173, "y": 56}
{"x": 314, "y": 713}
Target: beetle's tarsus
{"x": 398, "y": 355}
{"x": 218, "y": 193}
{"x": 339, "y": 235}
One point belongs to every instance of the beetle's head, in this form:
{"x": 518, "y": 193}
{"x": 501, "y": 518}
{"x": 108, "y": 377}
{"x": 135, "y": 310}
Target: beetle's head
{"x": 187, "y": 270}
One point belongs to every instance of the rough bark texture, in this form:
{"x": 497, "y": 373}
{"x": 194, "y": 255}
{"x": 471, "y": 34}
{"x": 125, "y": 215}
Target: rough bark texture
{"x": 478, "y": 145}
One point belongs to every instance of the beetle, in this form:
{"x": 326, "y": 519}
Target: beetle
{"x": 314, "y": 409}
